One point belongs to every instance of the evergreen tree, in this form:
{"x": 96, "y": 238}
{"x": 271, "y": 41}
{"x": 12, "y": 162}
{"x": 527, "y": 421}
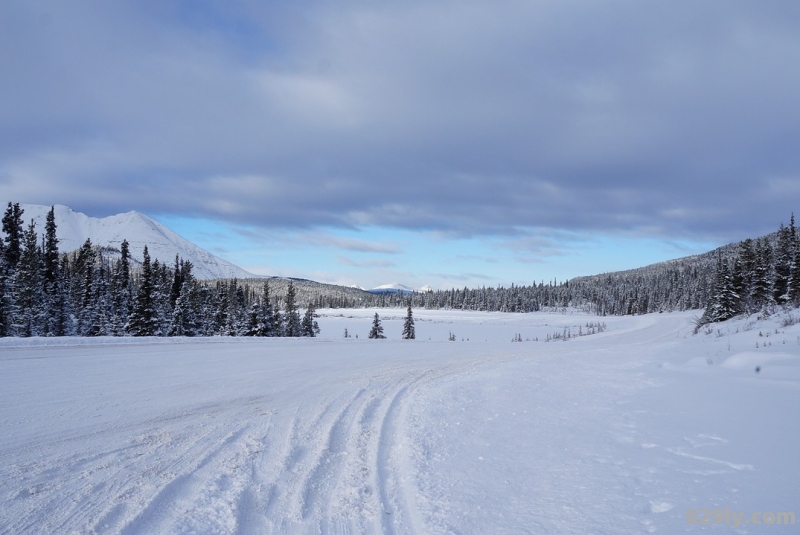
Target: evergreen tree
{"x": 143, "y": 320}
{"x": 97, "y": 320}
{"x": 221, "y": 309}
{"x": 724, "y": 301}
{"x": 12, "y": 226}
{"x": 183, "y": 322}
{"x": 5, "y": 304}
{"x": 50, "y": 250}
{"x": 744, "y": 273}
{"x": 783, "y": 262}
{"x": 291, "y": 318}
{"x": 794, "y": 279}
{"x": 267, "y": 318}
{"x": 408, "y": 325}
{"x": 28, "y": 292}
{"x": 120, "y": 288}
{"x": 162, "y": 283}
{"x": 376, "y": 332}
{"x": 84, "y": 290}
{"x": 761, "y": 288}
{"x": 53, "y": 286}
{"x": 309, "y": 326}
{"x": 260, "y": 315}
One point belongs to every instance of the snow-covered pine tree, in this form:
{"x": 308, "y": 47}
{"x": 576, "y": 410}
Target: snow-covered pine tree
{"x": 162, "y": 284}
{"x": 309, "y": 325}
{"x": 783, "y": 265}
{"x": 761, "y": 288}
{"x": 12, "y": 226}
{"x": 266, "y": 318}
{"x": 794, "y": 278}
{"x": 183, "y": 322}
{"x": 724, "y": 301}
{"x": 120, "y": 288}
{"x": 291, "y": 318}
{"x": 220, "y": 306}
{"x": 50, "y": 251}
{"x": 236, "y": 314}
{"x": 408, "y": 326}
{"x": 53, "y": 286}
{"x": 143, "y": 320}
{"x": 5, "y": 304}
{"x": 84, "y": 288}
{"x": 29, "y": 296}
{"x": 98, "y": 319}
{"x": 376, "y": 332}
{"x": 260, "y": 315}
{"x": 743, "y": 273}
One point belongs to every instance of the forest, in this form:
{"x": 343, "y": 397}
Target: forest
{"x": 101, "y": 291}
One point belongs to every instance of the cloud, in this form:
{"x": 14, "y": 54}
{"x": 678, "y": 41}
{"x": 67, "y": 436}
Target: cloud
{"x": 469, "y": 119}
{"x": 383, "y": 263}
{"x": 461, "y": 277}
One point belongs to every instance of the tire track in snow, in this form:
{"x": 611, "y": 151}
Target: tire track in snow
{"x": 395, "y": 503}
{"x": 321, "y": 480}
{"x": 292, "y": 495}
{"x": 153, "y": 515}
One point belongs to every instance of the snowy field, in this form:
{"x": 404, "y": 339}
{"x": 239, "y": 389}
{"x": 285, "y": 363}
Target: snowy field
{"x": 622, "y": 431}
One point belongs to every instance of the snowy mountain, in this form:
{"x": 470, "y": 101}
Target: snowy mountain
{"x": 396, "y": 287}
{"x": 140, "y": 230}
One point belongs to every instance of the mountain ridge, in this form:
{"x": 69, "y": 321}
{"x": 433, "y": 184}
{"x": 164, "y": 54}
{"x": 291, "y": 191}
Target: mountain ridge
{"x": 140, "y": 230}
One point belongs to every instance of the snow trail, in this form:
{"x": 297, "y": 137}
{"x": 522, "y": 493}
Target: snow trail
{"x": 608, "y": 433}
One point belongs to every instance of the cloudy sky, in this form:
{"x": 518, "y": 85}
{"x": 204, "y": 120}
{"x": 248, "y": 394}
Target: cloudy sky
{"x": 448, "y": 143}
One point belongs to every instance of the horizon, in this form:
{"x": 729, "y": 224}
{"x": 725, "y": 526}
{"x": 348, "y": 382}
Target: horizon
{"x": 39, "y": 217}
{"x": 423, "y": 143}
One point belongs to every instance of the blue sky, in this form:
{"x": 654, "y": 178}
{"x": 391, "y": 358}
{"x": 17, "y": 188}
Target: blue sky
{"x": 438, "y": 142}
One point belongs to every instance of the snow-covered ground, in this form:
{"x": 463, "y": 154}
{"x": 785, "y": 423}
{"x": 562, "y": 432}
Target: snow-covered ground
{"x": 621, "y": 431}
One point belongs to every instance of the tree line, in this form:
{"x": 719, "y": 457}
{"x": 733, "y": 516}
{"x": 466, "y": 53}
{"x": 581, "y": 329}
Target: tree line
{"x": 99, "y": 292}
{"x": 760, "y": 274}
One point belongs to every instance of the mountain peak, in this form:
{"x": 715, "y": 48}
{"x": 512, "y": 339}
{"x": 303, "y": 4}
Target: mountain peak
{"x": 140, "y": 230}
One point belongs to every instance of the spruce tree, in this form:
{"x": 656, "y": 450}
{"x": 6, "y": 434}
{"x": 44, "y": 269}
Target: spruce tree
{"x": 761, "y": 288}
{"x": 408, "y": 325}
{"x": 121, "y": 291}
{"x": 143, "y": 320}
{"x": 744, "y": 273}
{"x": 376, "y": 332}
{"x": 183, "y": 322}
{"x": 84, "y": 290}
{"x": 28, "y": 285}
{"x": 724, "y": 301}
{"x": 794, "y": 279}
{"x": 12, "y": 226}
{"x": 266, "y": 318}
{"x": 220, "y": 315}
{"x": 50, "y": 249}
{"x": 782, "y": 265}
{"x": 291, "y": 318}
{"x": 309, "y": 326}
{"x": 5, "y": 305}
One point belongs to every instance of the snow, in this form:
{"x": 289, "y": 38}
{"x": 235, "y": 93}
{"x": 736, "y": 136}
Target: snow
{"x": 622, "y": 431}
{"x": 73, "y": 228}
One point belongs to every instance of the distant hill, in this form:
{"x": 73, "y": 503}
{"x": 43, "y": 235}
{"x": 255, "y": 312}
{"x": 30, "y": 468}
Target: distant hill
{"x": 140, "y": 230}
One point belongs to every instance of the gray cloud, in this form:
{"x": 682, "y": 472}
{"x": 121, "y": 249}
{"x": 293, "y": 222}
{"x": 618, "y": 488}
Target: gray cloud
{"x": 676, "y": 120}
